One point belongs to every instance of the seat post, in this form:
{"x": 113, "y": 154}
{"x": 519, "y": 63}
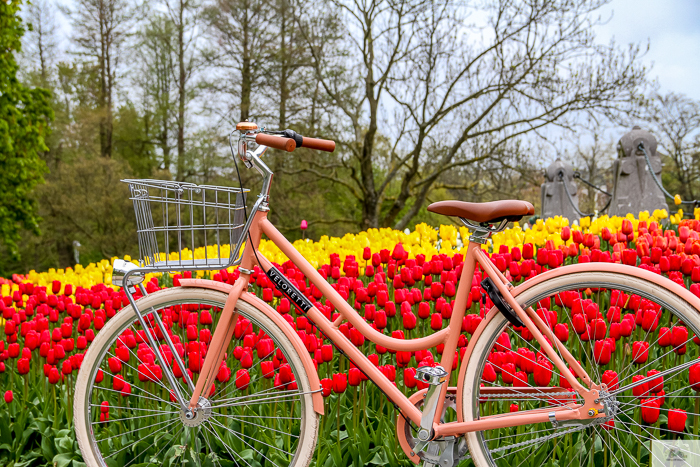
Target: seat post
{"x": 482, "y": 232}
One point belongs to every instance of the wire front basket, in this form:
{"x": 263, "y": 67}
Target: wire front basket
{"x": 186, "y": 226}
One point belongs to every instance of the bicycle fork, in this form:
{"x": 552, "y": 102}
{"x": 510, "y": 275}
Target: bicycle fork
{"x": 222, "y": 336}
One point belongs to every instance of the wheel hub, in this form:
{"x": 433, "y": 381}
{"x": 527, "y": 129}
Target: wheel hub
{"x": 197, "y": 416}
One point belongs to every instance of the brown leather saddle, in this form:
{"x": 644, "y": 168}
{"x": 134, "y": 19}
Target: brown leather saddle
{"x": 492, "y": 212}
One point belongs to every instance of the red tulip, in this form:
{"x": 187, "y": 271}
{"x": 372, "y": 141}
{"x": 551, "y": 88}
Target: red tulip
{"x": 8, "y": 396}
{"x": 66, "y": 368}
{"x": 626, "y": 327}
{"x": 380, "y": 319}
{"x": 224, "y": 373}
{"x": 436, "y": 321}
{"x": 205, "y": 318}
{"x": 423, "y": 310}
{"x": 694, "y": 377}
{"x": 629, "y": 257}
{"x": 640, "y": 351}
{"x": 265, "y": 348}
{"x": 656, "y": 384}
{"x": 242, "y": 379}
{"x": 115, "y": 365}
{"x": 327, "y": 385}
{"x": 627, "y": 227}
{"x": 561, "y": 330}
{"x": 650, "y": 321}
{"x": 54, "y": 375}
{"x": 340, "y": 380}
{"x": 436, "y": 289}
{"x": 599, "y": 329}
{"x": 409, "y": 377}
{"x": 195, "y": 361}
{"x": 23, "y": 366}
{"x": 451, "y": 291}
{"x": 267, "y": 294}
{"x": 677, "y": 419}
{"x": 611, "y": 380}
{"x": 246, "y": 360}
{"x": 354, "y": 377}
{"x": 490, "y": 375}
{"x": 565, "y": 233}
{"x": 579, "y": 323}
{"x": 642, "y": 389}
{"x": 409, "y": 321}
{"x": 327, "y": 352}
{"x": 507, "y": 372}
{"x": 664, "y": 337}
{"x": 543, "y": 372}
{"x": 602, "y": 352}
{"x": 650, "y": 411}
{"x": 520, "y": 380}
{"x": 679, "y": 336}
{"x": 122, "y": 353}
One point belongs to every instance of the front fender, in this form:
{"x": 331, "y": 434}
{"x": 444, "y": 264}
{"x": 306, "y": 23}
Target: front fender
{"x": 291, "y": 334}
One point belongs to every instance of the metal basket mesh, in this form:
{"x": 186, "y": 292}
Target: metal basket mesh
{"x": 187, "y": 226}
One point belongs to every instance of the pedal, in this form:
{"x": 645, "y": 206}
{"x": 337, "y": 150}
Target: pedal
{"x": 435, "y": 377}
{"x": 499, "y": 303}
{"x": 449, "y": 453}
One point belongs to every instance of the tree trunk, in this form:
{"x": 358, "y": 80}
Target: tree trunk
{"x": 108, "y": 109}
{"x": 245, "y": 72}
{"x": 102, "y": 98}
{"x": 182, "y": 76}
{"x": 284, "y": 69}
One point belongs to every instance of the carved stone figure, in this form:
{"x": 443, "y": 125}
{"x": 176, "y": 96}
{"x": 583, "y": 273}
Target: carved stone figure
{"x": 634, "y": 189}
{"x": 559, "y": 178}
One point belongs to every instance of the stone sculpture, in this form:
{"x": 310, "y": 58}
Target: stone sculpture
{"x": 634, "y": 189}
{"x": 559, "y": 178}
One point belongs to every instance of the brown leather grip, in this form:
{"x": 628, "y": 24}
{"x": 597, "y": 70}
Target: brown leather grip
{"x": 320, "y": 144}
{"x": 276, "y": 142}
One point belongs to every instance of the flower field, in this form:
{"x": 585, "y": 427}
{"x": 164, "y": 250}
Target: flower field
{"x": 403, "y": 283}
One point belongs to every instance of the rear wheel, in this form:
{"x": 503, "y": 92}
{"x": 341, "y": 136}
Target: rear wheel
{"x": 259, "y": 413}
{"x": 507, "y": 372}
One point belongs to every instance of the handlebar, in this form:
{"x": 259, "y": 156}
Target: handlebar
{"x": 311, "y": 143}
{"x": 320, "y": 144}
{"x": 276, "y": 142}
{"x": 289, "y": 140}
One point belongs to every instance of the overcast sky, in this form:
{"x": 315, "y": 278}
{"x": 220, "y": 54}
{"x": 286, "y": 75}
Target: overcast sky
{"x": 672, "y": 28}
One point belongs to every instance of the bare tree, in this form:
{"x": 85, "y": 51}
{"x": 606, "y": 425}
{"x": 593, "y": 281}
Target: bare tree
{"x": 100, "y": 27}
{"x": 243, "y": 35}
{"x": 185, "y": 16}
{"x": 157, "y": 81}
{"x": 534, "y": 65}
{"x": 40, "y": 41}
{"x": 676, "y": 123}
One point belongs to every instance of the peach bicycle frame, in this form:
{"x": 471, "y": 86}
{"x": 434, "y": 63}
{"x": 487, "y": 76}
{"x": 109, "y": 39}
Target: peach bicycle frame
{"x": 448, "y": 336}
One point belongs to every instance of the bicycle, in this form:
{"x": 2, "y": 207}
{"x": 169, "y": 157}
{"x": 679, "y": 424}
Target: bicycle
{"x": 159, "y": 341}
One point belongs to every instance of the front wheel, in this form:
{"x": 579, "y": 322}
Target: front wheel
{"x": 259, "y": 412}
{"x": 622, "y": 329}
